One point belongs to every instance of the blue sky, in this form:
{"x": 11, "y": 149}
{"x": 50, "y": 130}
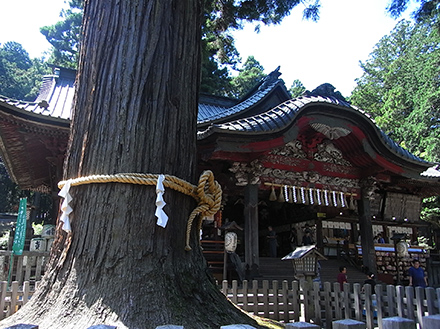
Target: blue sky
{"x": 314, "y": 53}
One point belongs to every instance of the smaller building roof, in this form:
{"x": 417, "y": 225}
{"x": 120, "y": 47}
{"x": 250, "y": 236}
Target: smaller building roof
{"x": 305, "y": 251}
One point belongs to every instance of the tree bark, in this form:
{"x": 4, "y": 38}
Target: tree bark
{"x": 135, "y": 111}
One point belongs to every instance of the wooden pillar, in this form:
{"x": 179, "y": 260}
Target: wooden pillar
{"x": 366, "y": 228}
{"x": 319, "y": 237}
{"x": 251, "y": 226}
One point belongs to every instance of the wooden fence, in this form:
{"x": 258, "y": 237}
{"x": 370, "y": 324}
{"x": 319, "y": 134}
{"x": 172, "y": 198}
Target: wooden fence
{"x": 27, "y": 267}
{"x": 322, "y": 305}
{"x": 14, "y": 297}
{"x": 292, "y": 302}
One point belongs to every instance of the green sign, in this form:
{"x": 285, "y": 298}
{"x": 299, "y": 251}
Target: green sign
{"x": 20, "y": 229}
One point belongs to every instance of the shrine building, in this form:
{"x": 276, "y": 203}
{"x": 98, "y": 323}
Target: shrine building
{"x": 314, "y": 164}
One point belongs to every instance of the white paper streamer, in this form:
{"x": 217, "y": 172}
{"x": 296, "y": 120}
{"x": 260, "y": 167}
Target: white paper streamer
{"x": 286, "y": 193}
{"x": 311, "y": 196}
{"x": 162, "y": 217}
{"x": 335, "y": 200}
{"x": 318, "y": 196}
{"x": 303, "y": 196}
{"x": 326, "y": 198}
{"x": 65, "y": 208}
{"x": 295, "y": 198}
{"x": 343, "y": 203}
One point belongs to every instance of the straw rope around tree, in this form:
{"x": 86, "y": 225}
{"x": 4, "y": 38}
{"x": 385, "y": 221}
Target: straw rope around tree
{"x": 207, "y": 193}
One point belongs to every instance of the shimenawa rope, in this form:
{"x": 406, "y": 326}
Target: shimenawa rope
{"x": 207, "y": 193}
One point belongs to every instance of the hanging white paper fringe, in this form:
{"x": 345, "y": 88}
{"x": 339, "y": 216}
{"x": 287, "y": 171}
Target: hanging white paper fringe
{"x": 335, "y": 200}
{"x": 311, "y": 196}
{"x": 303, "y": 196}
{"x": 295, "y": 198}
{"x": 343, "y": 204}
{"x": 162, "y": 217}
{"x": 286, "y": 193}
{"x": 318, "y": 196}
{"x": 326, "y": 198}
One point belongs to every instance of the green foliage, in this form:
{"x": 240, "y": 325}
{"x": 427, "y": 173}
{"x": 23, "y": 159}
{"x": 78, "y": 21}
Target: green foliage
{"x": 431, "y": 210}
{"x": 400, "y": 87}
{"x": 250, "y": 75}
{"x": 20, "y": 76}
{"x": 64, "y": 36}
{"x": 4, "y": 240}
{"x": 38, "y": 228}
{"x": 297, "y": 89}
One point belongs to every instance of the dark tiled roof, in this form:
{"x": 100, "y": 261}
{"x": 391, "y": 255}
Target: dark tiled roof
{"x": 281, "y": 116}
{"x": 209, "y": 113}
{"x": 55, "y": 97}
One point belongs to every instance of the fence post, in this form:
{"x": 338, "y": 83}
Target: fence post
{"x": 3, "y": 290}
{"x": 419, "y": 305}
{"x": 276, "y": 308}
{"x": 284, "y": 294}
{"x": 317, "y": 302}
{"x": 430, "y": 300}
{"x": 338, "y": 301}
{"x": 305, "y": 287}
{"x": 328, "y": 305}
{"x": 369, "y": 314}
{"x": 265, "y": 292}
{"x": 347, "y": 301}
{"x": 296, "y": 301}
{"x": 379, "y": 304}
{"x": 357, "y": 301}
{"x": 26, "y": 290}
{"x": 245, "y": 296}
{"x": 410, "y": 302}
{"x": 255, "y": 296}
{"x": 391, "y": 294}
{"x": 14, "y": 293}
{"x": 225, "y": 287}
{"x": 234, "y": 291}
{"x": 399, "y": 300}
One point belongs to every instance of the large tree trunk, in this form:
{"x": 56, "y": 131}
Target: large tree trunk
{"x": 135, "y": 111}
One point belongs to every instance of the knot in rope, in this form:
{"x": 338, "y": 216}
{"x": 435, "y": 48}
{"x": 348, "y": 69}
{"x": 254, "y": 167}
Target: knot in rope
{"x": 209, "y": 194}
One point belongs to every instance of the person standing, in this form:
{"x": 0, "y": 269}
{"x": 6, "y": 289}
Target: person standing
{"x": 272, "y": 240}
{"x": 293, "y": 238}
{"x": 370, "y": 280}
{"x": 342, "y": 277}
{"x": 417, "y": 276}
{"x": 307, "y": 239}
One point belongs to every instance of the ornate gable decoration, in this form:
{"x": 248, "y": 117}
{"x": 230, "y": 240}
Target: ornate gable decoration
{"x": 331, "y": 133}
{"x": 292, "y": 149}
{"x": 327, "y": 152}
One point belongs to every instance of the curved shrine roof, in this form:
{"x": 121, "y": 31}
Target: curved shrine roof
{"x": 265, "y": 113}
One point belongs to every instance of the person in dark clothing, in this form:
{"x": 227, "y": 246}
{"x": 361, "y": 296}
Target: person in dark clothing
{"x": 370, "y": 280}
{"x": 417, "y": 276}
{"x": 342, "y": 277}
{"x": 293, "y": 239}
{"x": 307, "y": 239}
{"x": 272, "y": 240}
